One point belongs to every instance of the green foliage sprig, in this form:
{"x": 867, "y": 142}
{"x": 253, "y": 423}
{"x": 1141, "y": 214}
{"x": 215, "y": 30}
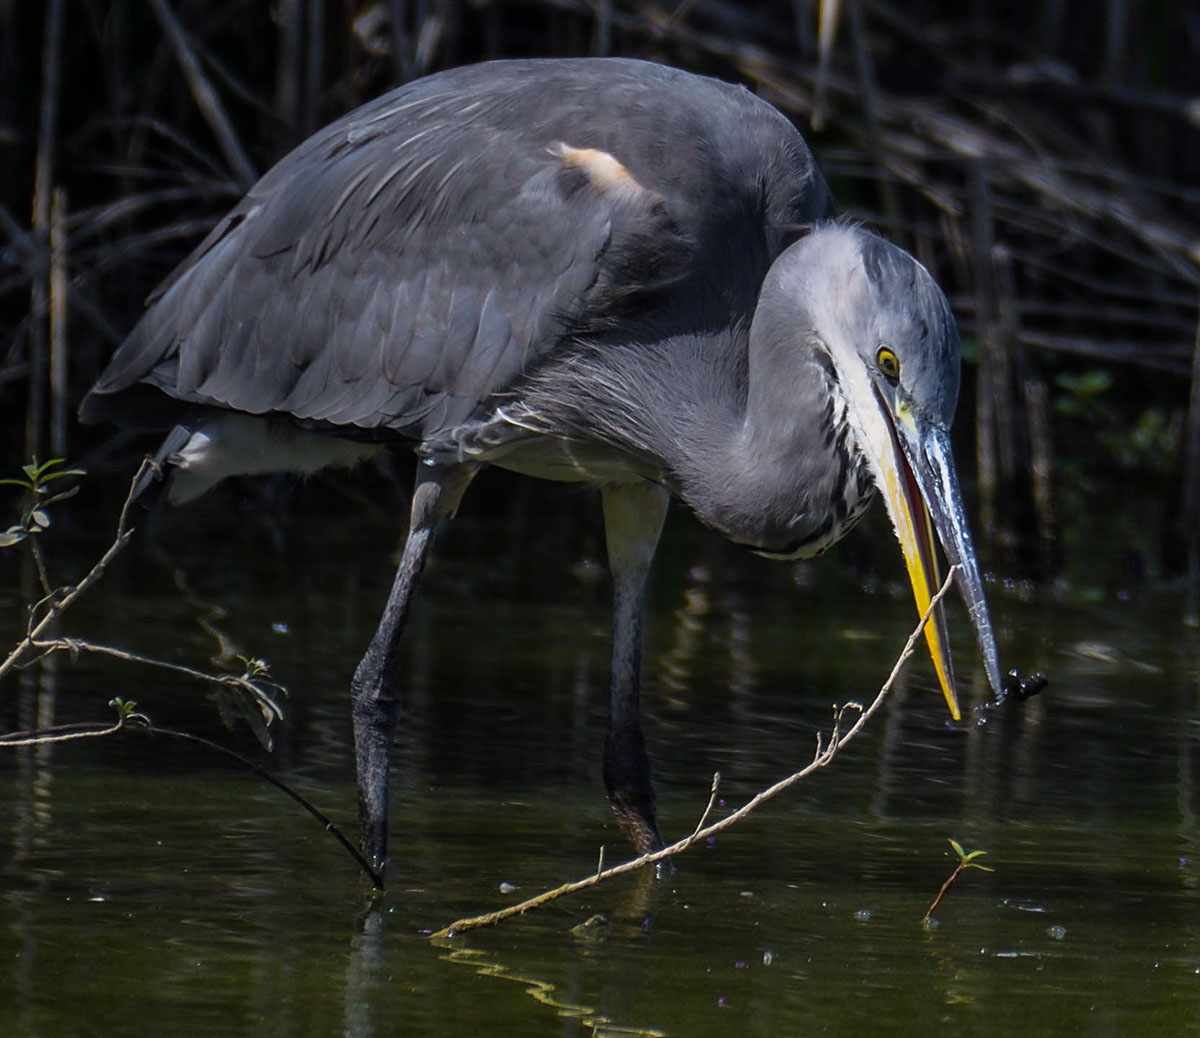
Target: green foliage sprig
{"x": 36, "y": 481}
{"x": 966, "y": 860}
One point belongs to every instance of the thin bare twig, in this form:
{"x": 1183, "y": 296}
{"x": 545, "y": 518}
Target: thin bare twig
{"x": 712, "y": 799}
{"x": 827, "y": 750}
{"x": 60, "y": 733}
{"x": 58, "y": 603}
{"x": 142, "y": 723}
{"x": 241, "y": 682}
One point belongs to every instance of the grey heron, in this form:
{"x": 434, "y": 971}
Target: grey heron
{"x": 594, "y": 270}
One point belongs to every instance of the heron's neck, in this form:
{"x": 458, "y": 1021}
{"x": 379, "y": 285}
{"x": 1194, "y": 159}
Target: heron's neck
{"x": 752, "y": 438}
{"x": 783, "y": 475}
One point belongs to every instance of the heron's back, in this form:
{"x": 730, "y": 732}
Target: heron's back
{"x": 401, "y": 271}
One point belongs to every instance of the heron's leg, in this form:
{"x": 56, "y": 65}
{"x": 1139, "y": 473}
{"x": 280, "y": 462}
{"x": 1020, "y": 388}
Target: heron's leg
{"x": 633, "y": 520}
{"x": 375, "y": 690}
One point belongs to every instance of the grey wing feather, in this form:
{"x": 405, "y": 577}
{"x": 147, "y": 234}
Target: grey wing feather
{"x": 416, "y": 258}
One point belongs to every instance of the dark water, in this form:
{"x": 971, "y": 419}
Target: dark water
{"x": 152, "y": 887}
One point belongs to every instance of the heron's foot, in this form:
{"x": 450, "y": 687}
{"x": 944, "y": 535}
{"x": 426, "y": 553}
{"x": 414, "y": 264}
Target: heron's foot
{"x": 636, "y": 817}
{"x": 374, "y": 713}
{"x": 630, "y": 785}
{"x": 372, "y": 836}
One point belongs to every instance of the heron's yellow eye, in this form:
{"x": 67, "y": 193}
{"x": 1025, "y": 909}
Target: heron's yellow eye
{"x": 888, "y": 363}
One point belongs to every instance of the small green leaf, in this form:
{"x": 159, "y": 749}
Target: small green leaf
{"x": 973, "y": 855}
{"x": 37, "y": 476}
{"x": 39, "y": 518}
{"x": 958, "y": 849}
{"x": 255, "y": 667}
{"x": 123, "y": 707}
{"x": 13, "y": 535}
{"x": 59, "y": 475}
{"x": 60, "y": 497}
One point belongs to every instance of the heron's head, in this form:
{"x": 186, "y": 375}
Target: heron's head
{"x": 890, "y": 338}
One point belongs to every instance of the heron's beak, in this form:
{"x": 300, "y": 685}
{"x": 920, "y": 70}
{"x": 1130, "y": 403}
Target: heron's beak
{"x": 921, "y": 485}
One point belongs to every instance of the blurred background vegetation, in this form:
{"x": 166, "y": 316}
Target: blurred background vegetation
{"x": 1041, "y": 158}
